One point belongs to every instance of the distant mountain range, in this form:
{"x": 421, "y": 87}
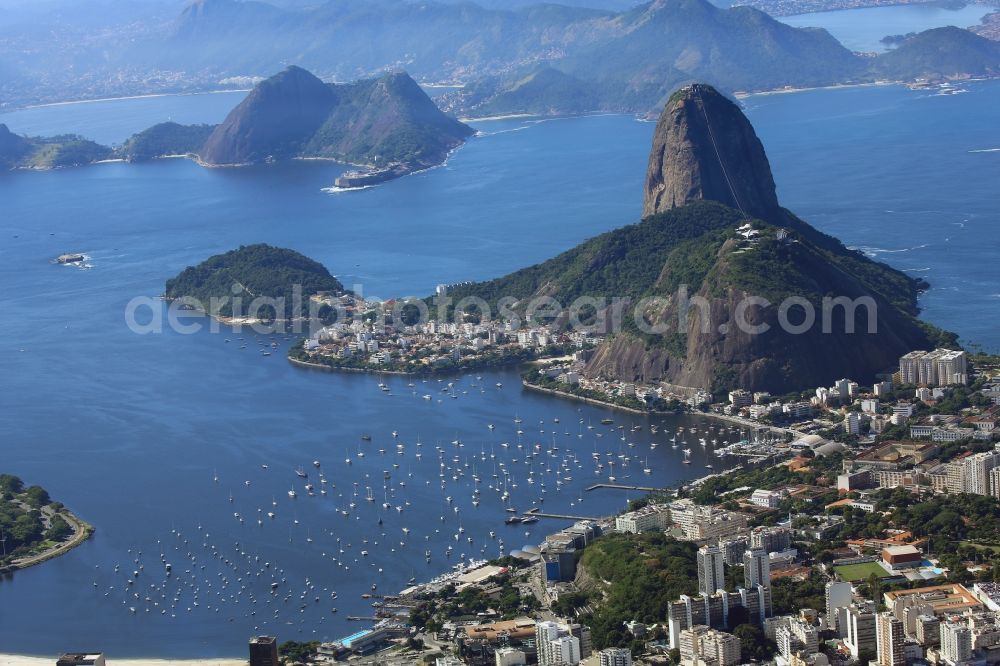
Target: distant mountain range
{"x": 649, "y": 51}
{"x": 557, "y": 59}
{"x": 614, "y": 57}
{"x": 713, "y": 226}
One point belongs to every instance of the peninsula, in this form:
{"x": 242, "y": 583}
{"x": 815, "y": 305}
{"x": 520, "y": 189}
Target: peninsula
{"x": 34, "y": 527}
{"x": 714, "y": 230}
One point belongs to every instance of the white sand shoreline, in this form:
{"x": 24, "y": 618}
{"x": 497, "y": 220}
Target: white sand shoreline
{"x": 23, "y": 660}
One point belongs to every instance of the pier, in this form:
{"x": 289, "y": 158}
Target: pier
{"x": 618, "y": 486}
{"x": 538, "y": 513}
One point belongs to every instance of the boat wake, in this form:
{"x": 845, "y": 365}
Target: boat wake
{"x": 875, "y": 251}
{"x": 333, "y": 189}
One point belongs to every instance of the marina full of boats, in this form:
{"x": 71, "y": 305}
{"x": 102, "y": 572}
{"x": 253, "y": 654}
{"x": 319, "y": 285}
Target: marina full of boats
{"x": 298, "y": 542}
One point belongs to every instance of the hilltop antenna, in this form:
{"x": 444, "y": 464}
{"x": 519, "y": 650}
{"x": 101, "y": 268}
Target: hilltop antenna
{"x": 718, "y": 157}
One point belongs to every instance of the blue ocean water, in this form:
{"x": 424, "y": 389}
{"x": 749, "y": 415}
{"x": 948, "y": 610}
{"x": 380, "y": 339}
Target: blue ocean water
{"x": 863, "y": 29}
{"x": 130, "y": 430}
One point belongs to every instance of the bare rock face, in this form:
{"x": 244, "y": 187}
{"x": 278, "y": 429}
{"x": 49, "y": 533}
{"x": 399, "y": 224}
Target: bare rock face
{"x": 274, "y": 120}
{"x": 705, "y": 148}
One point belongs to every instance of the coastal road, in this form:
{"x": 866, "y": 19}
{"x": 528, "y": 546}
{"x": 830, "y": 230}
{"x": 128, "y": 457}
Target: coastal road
{"x": 80, "y": 534}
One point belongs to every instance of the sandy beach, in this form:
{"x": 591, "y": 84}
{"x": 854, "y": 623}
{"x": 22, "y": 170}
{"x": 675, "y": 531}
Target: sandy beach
{"x": 18, "y": 660}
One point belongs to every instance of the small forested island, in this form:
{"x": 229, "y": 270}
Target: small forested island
{"x": 33, "y": 528}
{"x": 226, "y": 285}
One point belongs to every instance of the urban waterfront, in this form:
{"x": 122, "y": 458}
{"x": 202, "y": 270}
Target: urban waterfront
{"x": 142, "y": 425}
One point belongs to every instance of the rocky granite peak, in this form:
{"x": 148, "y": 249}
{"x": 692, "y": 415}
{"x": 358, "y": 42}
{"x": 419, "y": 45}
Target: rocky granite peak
{"x": 704, "y": 148}
{"x": 275, "y": 119}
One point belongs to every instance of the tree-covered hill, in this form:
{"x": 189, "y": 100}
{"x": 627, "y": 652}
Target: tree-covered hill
{"x": 165, "y": 139}
{"x": 250, "y": 272}
{"x": 376, "y": 122}
{"x": 635, "y": 577}
{"x": 21, "y": 152}
{"x": 22, "y": 522}
{"x": 940, "y": 52}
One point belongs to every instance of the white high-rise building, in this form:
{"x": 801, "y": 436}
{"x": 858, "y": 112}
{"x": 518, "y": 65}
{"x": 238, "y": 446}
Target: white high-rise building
{"x": 556, "y": 644}
{"x": 711, "y": 575}
{"x": 798, "y": 636}
{"x": 756, "y": 568}
{"x": 852, "y": 423}
{"x": 564, "y": 650}
{"x": 889, "y": 636}
{"x": 956, "y": 642}
{"x": 976, "y": 468}
{"x": 860, "y": 630}
{"x": 615, "y": 657}
{"x": 940, "y": 367}
{"x": 838, "y": 598}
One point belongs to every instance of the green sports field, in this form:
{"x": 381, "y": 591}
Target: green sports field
{"x": 856, "y": 572}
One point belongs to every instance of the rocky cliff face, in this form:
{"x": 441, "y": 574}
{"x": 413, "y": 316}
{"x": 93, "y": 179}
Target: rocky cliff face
{"x": 275, "y": 120}
{"x": 706, "y": 163}
{"x": 705, "y": 148}
{"x": 725, "y": 354}
{"x": 13, "y": 148}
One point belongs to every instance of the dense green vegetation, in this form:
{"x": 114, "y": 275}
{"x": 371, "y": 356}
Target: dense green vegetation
{"x": 940, "y": 52}
{"x": 771, "y": 476}
{"x": 22, "y": 523}
{"x": 496, "y": 358}
{"x": 694, "y": 251}
{"x": 536, "y": 377}
{"x": 19, "y": 152}
{"x": 503, "y": 601}
{"x": 386, "y": 120}
{"x": 626, "y": 262}
{"x": 546, "y": 91}
{"x": 645, "y": 573}
{"x": 165, "y": 139}
{"x": 682, "y": 247}
{"x": 295, "y": 652}
{"x": 254, "y": 271}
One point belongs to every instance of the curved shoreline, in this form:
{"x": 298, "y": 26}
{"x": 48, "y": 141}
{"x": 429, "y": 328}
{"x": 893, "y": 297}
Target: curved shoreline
{"x": 330, "y": 368}
{"x": 82, "y": 531}
{"x": 35, "y": 660}
{"x": 591, "y": 401}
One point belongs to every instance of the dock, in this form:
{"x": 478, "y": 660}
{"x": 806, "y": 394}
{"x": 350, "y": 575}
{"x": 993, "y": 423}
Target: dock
{"x": 618, "y": 486}
{"x": 538, "y": 513}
